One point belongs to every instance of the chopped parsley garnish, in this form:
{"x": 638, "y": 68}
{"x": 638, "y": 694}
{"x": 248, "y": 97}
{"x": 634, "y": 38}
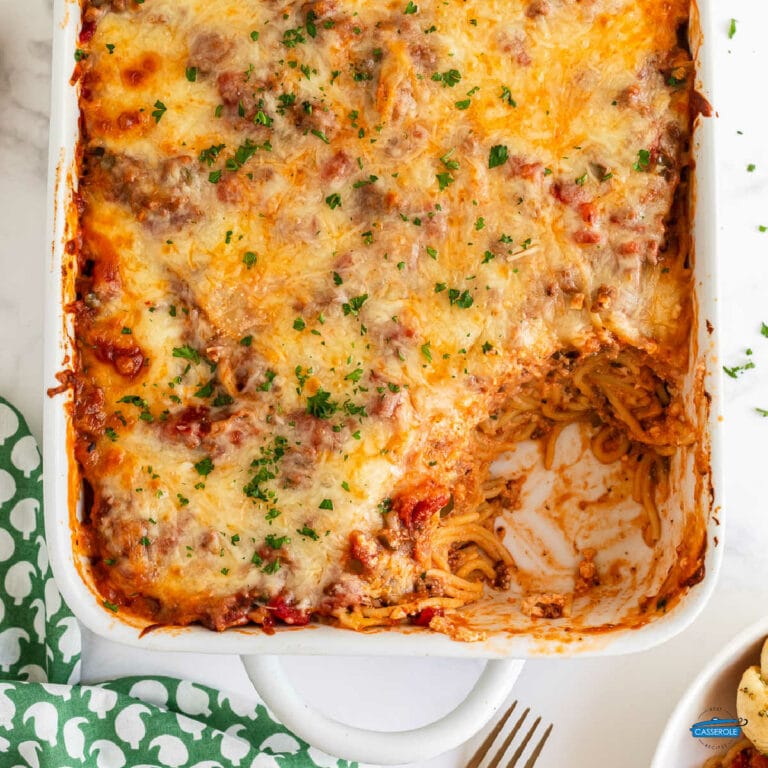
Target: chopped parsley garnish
{"x": 763, "y": 412}
{"x": 449, "y": 79}
{"x": 506, "y": 96}
{"x": 643, "y": 160}
{"x": 308, "y": 532}
{"x": 293, "y": 37}
{"x": 111, "y": 434}
{"x": 80, "y": 55}
{"x": 461, "y": 299}
{"x": 110, "y": 47}
{"x": 320, "y": 135}
{"x": 222, "y": 399}
{"x": 354, "y": 376}
{"x": 246, "y": 341}
{"x": 255, "y": 35}
{"x": 257, "y": 559}
{"x": 452, "y": 165}
{"x": 204, "y": 467}
{"x": 479, "y": 223}
{"x": 187, "y": 353}
{"x": 370, "y": 180}
{"x": 732, "y": 29}
{"x": 333, "y": 200}
{"x": 214, "y": 177}
{"x": 110, "y": 606}
{"x": 183, "y": 500}
{"x": 354, "y": 305}
{"x": 272, "y": 567}
{"x": 191, "y": 73}
{"x": 206, "y": 390}
{"x": 276, "y": 542}
{"x": 299, "y": 324}
{"x": 326, "y": 504}
{"x": 737, "y": 370}
{"x": 463, "y": 104}
{"x": 581, "y": 179}
{"x": 249, "y": 259}
{"x": 144, "y": 541}
{"x": 426, "y": 351}
{"x": 497, "y": 156}
{"x": 321, "y": 406}
{"x": 310, "y": 24}
{"x": 444, "y": 180}
{"x": 751, "y": 167}
{"x": 159, "y": 111}
{"x": 431, "y": 252}
{"x": 266, "y": 385}
{"x": 411, "y": 7}
{"x": 764, "y": 330}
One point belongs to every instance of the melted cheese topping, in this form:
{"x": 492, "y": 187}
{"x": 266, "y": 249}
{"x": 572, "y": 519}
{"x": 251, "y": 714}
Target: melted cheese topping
{"x": 319, "y": 238}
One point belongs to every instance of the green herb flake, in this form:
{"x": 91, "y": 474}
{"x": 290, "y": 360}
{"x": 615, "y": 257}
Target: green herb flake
{"x": 204, "y": 467}
{"x": 308, "y": 533}
{"x": 191, "y": 73}
{"x": 321, "y": 406}
{"x": 333, "y": 200}
{"x": 506, "y": 96}
{"x": 354, "y": 305}
{"x": 326, "y": 504}
{"x": 206, "y": 390}
{"x": 110, "y": 606}
{"x": 732, "y": 29}
{"x": 159, "y": 111}
{"x": 497, "y": 156}
{"x": 643, "y": 161}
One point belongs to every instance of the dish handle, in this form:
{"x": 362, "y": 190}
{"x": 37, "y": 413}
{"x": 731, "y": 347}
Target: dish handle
{"x": 377, "y": 747}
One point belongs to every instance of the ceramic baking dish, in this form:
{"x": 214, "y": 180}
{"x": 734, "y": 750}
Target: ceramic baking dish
{"x": 508, "y": 639}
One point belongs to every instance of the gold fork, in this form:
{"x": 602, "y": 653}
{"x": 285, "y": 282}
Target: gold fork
{"x": 482, "y": 751}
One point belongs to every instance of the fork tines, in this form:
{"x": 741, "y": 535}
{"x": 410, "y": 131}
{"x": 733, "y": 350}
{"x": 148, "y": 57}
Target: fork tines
{"x": 525, "y": 736}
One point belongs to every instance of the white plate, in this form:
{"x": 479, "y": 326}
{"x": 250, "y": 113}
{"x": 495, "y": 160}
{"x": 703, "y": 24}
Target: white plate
{"x": 712, "y": 694}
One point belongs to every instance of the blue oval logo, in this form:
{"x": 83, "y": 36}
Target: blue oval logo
{"x": 718, "y": 728}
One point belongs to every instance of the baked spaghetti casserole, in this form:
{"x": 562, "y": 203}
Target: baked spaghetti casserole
{"x": 334, "y": 258}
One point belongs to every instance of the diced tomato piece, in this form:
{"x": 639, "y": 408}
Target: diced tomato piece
{"x": 423, "y": 617}
{"x": 414, "y": 510}
{"x": 287, "y": 613}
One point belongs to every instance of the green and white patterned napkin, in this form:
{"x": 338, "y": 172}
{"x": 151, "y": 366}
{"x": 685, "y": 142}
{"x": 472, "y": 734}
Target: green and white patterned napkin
{"x": 47, "y": 720}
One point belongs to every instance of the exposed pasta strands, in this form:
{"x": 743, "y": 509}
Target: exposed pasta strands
{"x": 477, "y": 563}
{"x": 609, "y": 445}
{"x": 484, "y": 538}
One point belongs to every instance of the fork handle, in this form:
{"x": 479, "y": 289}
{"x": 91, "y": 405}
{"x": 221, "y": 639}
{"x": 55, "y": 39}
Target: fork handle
{"x": 382, "y": 748}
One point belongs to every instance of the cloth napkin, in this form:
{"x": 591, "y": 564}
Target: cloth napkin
{"x": 48, "y": 720}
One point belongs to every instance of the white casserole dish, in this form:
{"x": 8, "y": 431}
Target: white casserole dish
{"x": 62, "y": 491}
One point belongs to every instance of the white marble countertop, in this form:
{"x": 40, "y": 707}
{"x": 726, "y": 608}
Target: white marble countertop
{"x": 606, "y": 711}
